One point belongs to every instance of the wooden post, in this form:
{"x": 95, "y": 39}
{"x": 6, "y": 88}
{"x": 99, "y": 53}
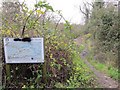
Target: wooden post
{"x": 7, "y": 66}
{"x": 44, "y": 73}
{"x": 8, "y": 74}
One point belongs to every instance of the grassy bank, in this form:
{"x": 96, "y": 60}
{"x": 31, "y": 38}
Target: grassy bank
{"x": 109, "y": 70}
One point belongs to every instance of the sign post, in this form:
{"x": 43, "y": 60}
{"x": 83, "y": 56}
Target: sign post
{"x": 26, "y": 50}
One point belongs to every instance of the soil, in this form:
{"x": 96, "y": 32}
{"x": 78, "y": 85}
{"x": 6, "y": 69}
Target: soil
{"x": 103, "y": 80}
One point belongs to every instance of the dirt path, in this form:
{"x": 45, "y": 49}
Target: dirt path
{"x": 103, "y": 80}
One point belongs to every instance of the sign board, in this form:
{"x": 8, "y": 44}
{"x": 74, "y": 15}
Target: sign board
{"x": 24, "y": 52}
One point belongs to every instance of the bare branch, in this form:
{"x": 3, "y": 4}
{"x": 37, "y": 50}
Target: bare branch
{"x": 91, "y": 4}
{"x": 82, "y": 10}
{"x": 65, "y": 21}
{"x": 26, "y": 22}
{"x": 86, "y": 8}
{"x": 58, "y": 23}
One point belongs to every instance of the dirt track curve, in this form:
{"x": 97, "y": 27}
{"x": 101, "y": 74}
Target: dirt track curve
{"x": 103, "y": 80}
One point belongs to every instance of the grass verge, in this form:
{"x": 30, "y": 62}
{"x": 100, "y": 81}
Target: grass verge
{"x": 109, "y": 70}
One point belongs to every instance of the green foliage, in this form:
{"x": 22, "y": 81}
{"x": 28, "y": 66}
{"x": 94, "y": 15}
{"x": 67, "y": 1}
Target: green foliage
{"x": 44, "y": 4}
{"x": 103, "y": 27}
{"x": 64, "y": 66}
{"x": 82, "y": 76}
{"x": 109, "y": 70}
{"x": 108, "y": 30}
{"x": 113, "y": 72}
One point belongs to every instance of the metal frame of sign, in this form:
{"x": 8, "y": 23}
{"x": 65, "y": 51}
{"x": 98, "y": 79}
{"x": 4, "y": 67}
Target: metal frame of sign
{"x": 24, "y": 52}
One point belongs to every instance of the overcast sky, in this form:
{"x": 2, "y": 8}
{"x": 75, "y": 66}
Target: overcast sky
{"x": 69, "y": 8}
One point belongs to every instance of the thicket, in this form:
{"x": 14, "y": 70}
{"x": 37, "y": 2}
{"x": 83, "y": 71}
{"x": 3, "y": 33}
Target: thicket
{"x": 103, "y": 25}
{"x": 64, "y": 67}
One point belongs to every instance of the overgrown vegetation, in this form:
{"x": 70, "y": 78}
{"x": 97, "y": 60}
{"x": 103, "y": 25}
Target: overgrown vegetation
{"x": 63, "y": 64}
{"x": 102, "y": 23}
{"x": 106, "y": 69}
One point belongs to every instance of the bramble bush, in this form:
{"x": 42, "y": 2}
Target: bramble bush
{"x": 64, "y": 67}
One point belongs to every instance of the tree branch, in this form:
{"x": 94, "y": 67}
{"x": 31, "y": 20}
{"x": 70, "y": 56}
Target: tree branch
{"x": 82, "y": 10}
{"x": 58, "y": 23}
{"x": 26, "y": 22}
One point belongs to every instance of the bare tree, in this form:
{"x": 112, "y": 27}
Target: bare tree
{"x": 86, "y": 10}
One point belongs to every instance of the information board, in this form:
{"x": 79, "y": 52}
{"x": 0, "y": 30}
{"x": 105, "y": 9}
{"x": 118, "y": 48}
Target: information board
{"x": 24, "y": 52}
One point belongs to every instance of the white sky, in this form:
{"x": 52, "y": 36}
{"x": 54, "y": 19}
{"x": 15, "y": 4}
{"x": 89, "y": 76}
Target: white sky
{"x": 69, "y": 8}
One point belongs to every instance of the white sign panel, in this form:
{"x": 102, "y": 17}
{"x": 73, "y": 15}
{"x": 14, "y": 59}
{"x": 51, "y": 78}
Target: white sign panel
{"x": 17, "y": 51}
